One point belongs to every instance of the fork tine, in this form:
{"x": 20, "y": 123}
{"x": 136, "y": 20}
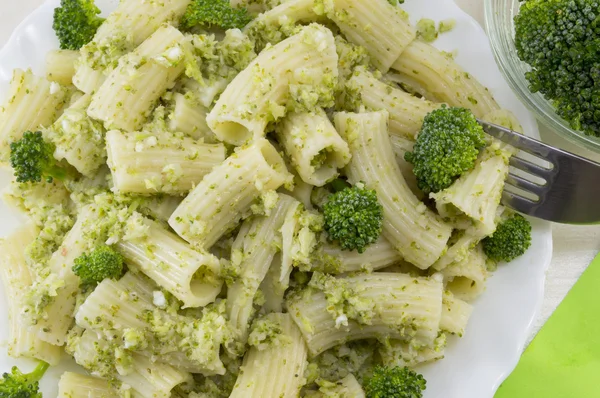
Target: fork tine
{"x": 519, "y": 203}
{"x": 517, "y": 140}
{"x": 526, "y": 185}
{"x": 530, "y": 167}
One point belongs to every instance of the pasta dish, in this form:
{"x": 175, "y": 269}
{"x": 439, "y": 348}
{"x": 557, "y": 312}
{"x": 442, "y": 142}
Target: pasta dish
{"x": 259, "y": 198}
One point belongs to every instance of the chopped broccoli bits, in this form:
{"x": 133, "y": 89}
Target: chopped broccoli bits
{"x": 103, "y": 262}
{"x": 76, "y": 23}
{"x": 353, "y": 217}
{"x": 511, "y": 239}
{"x": 214, "y": 13}
{"x": 447, "y": 146}
{"x": 19, "y": 385}
{"x": 394, "y": 383}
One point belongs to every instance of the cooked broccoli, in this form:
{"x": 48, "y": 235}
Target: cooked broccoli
{"x": 214, "y": 13}
{"x": 447, "y": 146}
{"x": 76, "y": 23}
{"x": 559, "y": 40}
{"x": 32, "y": 158}
{"x": 511, "y": 239}
{"x": 103, "y": 262}
{"x": 353, "y": 217}
{"x": 18, "y": 385}
{"x": 394, "y": 383}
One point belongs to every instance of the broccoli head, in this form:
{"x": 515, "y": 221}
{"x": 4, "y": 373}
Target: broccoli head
{"x": 18, "y": 385}
{"x": 353, "y": 217}
{"x": 32, "y": 159}
{"x": 76, "y": 23}
{"x": 447, "y": 147}
{"x": 511, "y": 239}
{"x": 103, "y": 262}
{"x": 394, "y": 382}
{"x": 214, "y": 13}
{"x": 559, "y": 40}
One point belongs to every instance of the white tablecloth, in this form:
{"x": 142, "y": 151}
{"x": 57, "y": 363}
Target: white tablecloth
{"x": 574, "y": 247}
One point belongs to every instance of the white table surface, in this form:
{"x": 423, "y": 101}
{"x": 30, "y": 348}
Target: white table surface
{"x": 574, "y": 247}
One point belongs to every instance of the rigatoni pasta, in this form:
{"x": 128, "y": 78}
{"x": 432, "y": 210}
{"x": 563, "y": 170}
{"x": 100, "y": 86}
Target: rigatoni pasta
{"x": 406, "y": 111}
{"x": 332, "y": 259}
{"x": 254, "y": 249}
{"x": 17, "y": 277}
{"x": 284, "y": 364}
{"x": 32, "y": 102}
{"x": 78, "y": 138}
{"x": 188, "y": 116}
{"x": 302, "y": 68}
{"x": 190, "y": 275}
{"x": 227, "y": 193}
{"x": 76, "y": 385}
{"x": 60, "y": 66}
{"x": 147, "y": 163}
{"x": 434, "y": 74}
{"x": 314, "y": 146}
{"x": 396, "y": 305}
{"x": 384, "y": 30}
{"x": 126, "y": 98}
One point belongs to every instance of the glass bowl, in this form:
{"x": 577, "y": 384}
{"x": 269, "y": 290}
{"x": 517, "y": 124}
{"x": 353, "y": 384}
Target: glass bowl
{"x": 499, "y": 15}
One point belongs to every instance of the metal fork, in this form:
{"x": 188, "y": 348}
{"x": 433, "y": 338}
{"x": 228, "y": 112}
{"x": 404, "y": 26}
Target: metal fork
{"x": 571, "y": 191}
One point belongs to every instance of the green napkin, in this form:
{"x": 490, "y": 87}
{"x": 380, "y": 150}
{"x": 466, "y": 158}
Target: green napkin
{"x": 563, "y": 361}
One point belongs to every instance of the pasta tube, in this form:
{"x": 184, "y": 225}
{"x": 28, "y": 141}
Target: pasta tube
{"x": 314, "y": 146}
{"x": 455, "y": 314}
{"x": 276, "y": 371}
{"x": 331, "y": 259}
{"x": 79, "y": 139}
{"x": 436, "y": 76}
{"x": 394, "y": 305}
{"x": 60, "y": 66}
{"x": 383, "y": 29}
{"x": 190, "y": 344}
{"x": 126, "y": 98}
{"x": 32, "y": 102}
{"x": 75, "y": 385}
{"x": 406, "y": 111}
{"x": 254, "y": 249}
{"x": 302, "y": 68}
{"x": 189, "y": 275}
{"x": 171, "y": 163}
{"x": 16, "y": 278}
{"x": 226, "y": 194}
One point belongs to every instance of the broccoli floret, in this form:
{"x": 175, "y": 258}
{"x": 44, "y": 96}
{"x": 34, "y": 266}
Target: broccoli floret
{"x": 76, "y": 23}
{"x": 353, "y": 217}
{"x": 447, "y": 147}
{"x": 103, "y": 262}
{"x": 559, "y": 40}
{"x": 18, "y": 385}
{"x": 32, "y": 158}
{"x": 511, "y": 239}
{"x": 394, "y": 383}
{"x": 214, "y": 13}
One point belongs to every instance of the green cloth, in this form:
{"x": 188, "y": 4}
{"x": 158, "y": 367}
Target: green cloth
{"x": 563, "y": 361}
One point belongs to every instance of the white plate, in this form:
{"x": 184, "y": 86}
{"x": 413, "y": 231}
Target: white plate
{"x": 475, "y": 365}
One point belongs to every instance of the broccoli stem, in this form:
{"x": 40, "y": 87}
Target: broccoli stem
{"x": 37, "y": 373}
